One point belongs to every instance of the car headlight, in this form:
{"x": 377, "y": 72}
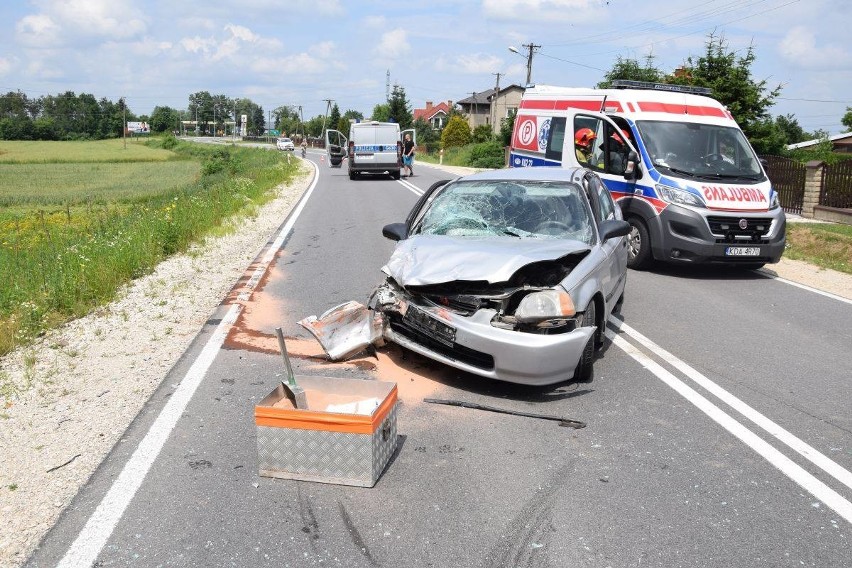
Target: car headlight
{"x": 773, "y": 201}
{"x": 679, "y": 196}
{"x": 545, "y": 305}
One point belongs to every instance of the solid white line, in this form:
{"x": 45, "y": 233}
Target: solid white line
{"x": 807, "y": 451}
{"x": 808, "y": 288}
{"x": 784, "y": 464}
{"x": 91, "y": 540}
{"x": 411, "y": 187}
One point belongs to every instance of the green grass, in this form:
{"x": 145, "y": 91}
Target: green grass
{"x": 41, "y": 184}
{"x": 823, "y": 244}
{"x": 68, "y": 245}
{"x": 115, "y": 150}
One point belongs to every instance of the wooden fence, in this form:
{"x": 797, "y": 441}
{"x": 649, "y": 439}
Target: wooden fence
{"x": 788, "y": 179}
{"x": 836, "y": 190}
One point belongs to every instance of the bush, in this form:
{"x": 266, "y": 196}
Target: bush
{"x": 487, "y": 155}
{"x": 456, "y": 133}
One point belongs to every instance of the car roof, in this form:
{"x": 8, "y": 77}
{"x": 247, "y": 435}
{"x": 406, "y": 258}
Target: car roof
{"x": 540, "y": 173}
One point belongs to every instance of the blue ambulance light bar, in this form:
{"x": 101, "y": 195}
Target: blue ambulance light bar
{"x": 625, "y": 84}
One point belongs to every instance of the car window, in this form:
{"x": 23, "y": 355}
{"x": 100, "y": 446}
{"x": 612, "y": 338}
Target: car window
{"x": 508, "y": 209}
{"x": 603, "y": 203}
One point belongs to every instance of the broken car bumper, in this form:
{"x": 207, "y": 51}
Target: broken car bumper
{"x": 473, "y": 345}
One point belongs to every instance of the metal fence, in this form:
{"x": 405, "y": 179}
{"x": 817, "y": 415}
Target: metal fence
{"x": 788, "y": 179}
{"x": 836, "y": 190}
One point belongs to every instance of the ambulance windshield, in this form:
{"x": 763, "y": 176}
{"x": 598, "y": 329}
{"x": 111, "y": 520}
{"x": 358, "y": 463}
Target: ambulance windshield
{"x": 687, "y": 149}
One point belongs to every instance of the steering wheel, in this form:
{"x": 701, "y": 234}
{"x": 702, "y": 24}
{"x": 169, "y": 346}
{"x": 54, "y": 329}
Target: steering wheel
{"x": 459, "y": 223}
{"x": 551, "y": 224}
{"x": 713, "y": 157}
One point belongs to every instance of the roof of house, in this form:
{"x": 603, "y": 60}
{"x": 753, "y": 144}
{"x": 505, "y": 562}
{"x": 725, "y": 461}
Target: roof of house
{"x": 836, "y": 138}
{"x": 431, "y": 110}
{"x": 485, "y": 96}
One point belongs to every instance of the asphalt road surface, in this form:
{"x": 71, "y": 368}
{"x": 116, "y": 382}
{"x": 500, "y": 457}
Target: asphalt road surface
{"x": 719, "y": 430}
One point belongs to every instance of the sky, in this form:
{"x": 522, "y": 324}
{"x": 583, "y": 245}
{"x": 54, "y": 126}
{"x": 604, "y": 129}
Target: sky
{"x": 303, "y": 52}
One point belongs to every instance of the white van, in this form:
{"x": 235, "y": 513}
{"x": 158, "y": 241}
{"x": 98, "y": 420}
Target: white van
{"x": 372, "y": 147}
{"x": 683, "y": 172}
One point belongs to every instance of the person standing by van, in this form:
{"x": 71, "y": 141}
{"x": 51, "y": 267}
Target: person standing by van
{"x": 408, "y": 155}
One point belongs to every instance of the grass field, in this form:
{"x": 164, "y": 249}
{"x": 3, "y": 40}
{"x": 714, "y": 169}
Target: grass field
{"x": 823, "y": 244}
{"x": 75, "y": 229}
{"x": 115, "y": 151}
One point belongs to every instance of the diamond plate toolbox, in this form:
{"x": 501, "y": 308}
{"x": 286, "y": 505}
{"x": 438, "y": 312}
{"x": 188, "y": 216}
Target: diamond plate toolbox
{"x": 346, "y": 436}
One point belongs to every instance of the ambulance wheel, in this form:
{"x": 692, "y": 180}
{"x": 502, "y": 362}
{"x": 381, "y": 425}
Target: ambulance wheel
{"x": 638, "y": 245}
{"x": 585, "y": 370}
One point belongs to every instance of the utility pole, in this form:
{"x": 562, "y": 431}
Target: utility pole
{"x": 124, "y": 121}
{"x": 324, "y": 118}
{"x": 494, "y": 98}
{"x": 387, "y": 86}
{"x": 475, "y": 108}
{"x": 531, "y": 47}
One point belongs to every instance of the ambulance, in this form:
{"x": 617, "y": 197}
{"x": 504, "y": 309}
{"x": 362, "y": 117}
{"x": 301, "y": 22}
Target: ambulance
{"x": 685, "y": 176}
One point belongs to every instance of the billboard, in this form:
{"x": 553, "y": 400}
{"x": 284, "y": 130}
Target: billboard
{"x": 138, "y": 128}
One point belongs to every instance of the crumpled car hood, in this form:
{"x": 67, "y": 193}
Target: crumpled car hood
{"x": 435, "y": 259}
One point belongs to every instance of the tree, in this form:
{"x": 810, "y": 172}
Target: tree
{"x": 507, "y": 127}
{"x": 164, "y": 119}
{"x": 200, "y": 110}
{"x": 632, "y": 70}
{"x": 456, "y": 133}
{"x": 399, "y": 109}
{"x": 730, "y": 79}
{"x": 333, "y": 118}
{"x": 483, "y": 133}
{"x": 847, "y": 120}
{"x": 427, "y": 137}
{"x": 790, "y": 128}
{"x": 381, "y": 112}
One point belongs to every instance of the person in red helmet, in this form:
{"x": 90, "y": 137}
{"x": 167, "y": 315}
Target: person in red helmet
{"x": 583, "y": 140}
{"x": 618, "y": 150}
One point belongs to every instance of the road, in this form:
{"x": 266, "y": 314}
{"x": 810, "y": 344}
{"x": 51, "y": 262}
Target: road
{"x": 719, "y": 431}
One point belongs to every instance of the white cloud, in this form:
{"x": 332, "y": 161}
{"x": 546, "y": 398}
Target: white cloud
{"x": 294, "y": 65}
{"x": 477, "y": 63}
{"x": 242, "y": 33}
{"x": 198, "y": 44}
{"x": 5, "y": 65}
{"x": 324, "y": 50}
{"x": 393, "y": 44}
{"x": 61, "y": 22}
{"x": 542, "y": 10}
{"x": 800, "y": 48}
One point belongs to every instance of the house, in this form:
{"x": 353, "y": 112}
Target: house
{"x": 840, "y": 143}
{"x": 435, "y": 115}
{"x": 492, "y": 106}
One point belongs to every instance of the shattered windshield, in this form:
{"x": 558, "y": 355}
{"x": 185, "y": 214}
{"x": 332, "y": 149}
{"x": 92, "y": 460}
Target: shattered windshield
{"x": 705, "y": 151}
{"x": 508, "y": 209}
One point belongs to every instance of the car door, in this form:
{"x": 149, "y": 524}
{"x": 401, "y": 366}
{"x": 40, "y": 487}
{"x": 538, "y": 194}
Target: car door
{"x": 614, "y": 271}
{"x": 336, "y": 147}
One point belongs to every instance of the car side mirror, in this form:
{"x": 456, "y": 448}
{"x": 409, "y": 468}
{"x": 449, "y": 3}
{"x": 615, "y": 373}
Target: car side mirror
{"x": 613, "y": 228}
{"x": 395, "y": 231}
{"x": 630, "y": 172}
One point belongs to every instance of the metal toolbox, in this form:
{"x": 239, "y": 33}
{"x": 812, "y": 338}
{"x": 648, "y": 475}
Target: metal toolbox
{"x": 346, "y": 436}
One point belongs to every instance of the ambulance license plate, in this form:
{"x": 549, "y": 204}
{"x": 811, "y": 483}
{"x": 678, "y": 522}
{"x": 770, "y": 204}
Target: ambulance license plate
{"x": 742, "y": 251}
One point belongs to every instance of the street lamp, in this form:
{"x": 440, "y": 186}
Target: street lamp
{"x": 531, "y": 47}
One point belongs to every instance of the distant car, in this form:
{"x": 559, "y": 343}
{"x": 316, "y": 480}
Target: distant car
{"x": 507, "y": 274}
{"x": 285, "y": 144}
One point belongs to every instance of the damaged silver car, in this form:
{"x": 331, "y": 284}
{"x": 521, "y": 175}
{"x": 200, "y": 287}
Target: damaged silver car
{"x": 507, "y": 274}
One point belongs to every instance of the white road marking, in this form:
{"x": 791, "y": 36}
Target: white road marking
{"x": 91, "y": 540}
{"x": 784, "y": 464}
{"x": 807, "y": 451}
{"x": 808, "y": 288}
{"x": 411, "y": 187}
